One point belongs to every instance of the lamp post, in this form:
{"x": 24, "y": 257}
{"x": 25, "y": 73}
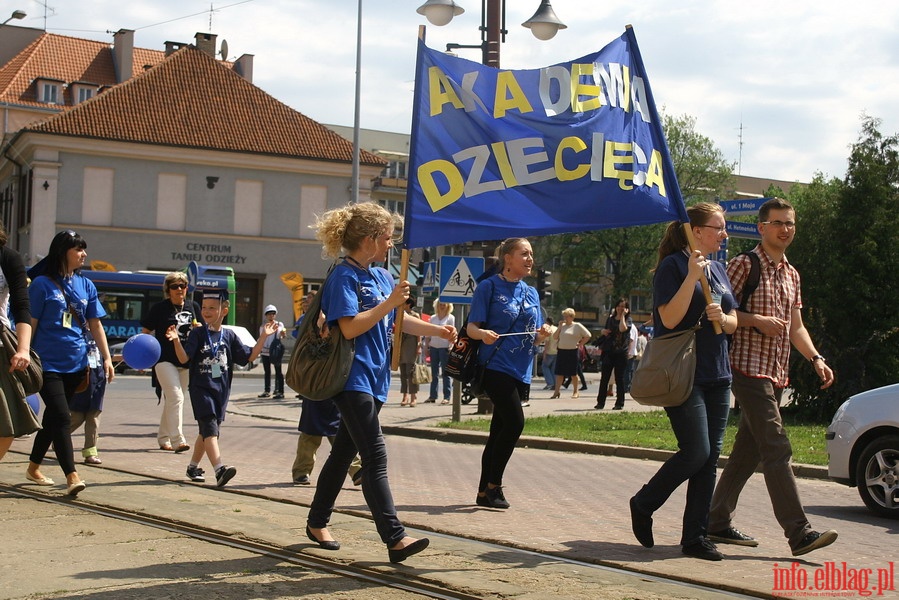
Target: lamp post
{"x": 544, "y": 24}
{"x": 16, "y": 14}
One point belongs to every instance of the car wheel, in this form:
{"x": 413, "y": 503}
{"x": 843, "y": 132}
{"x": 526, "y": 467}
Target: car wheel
{"x": 877, "y": 475}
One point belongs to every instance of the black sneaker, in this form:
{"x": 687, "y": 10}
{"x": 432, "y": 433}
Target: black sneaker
{"x": 430, "y": 400}
{"x": 733, "y": 536}
{"x": 264, "y": 395}
{"x": 641, "y": 525}
{"x": 525, "y": 403}
{"x": 814, "y": 540}
{"x": 196, "y": 474}
{"x": 277, "y": 396}
{"x": 493, "y": 498}
{"x": 223, "y": 475}
{"x": 301, "y": 480}
{"x": 703, "y": 549}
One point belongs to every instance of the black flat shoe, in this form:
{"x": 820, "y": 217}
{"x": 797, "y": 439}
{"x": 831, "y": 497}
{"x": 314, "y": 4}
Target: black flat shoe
{"x": 641, "y": 525}
{"x": 398, "y": 556}
{"x": 324, "y": 545}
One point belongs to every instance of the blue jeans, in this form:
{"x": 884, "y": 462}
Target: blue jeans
{"x": 699, "y": 426}
{"x": 359, "y": 431}
{"x": 439, "y": 356}
{"x": 549, "y": 369}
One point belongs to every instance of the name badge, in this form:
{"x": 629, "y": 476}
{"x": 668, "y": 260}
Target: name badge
{"x": 67, "y": 320}
{"x": 216, "y": 371}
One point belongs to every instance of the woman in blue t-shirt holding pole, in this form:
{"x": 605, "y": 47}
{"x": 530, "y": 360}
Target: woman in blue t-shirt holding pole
{"x": 699, "y": 422}
{"x": 506, "y": 317}
{"x": 362, "y": 300}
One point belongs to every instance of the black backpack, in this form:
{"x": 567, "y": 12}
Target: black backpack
{"x": 752, "y": 280}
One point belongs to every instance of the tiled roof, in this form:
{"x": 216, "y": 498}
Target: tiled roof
{"x": 64, "y": 59}
{"x": 187, "y": 99}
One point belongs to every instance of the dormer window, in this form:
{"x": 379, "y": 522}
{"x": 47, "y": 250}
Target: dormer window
{"x": 82, "y": 91}
{"x": 49, "y": 91}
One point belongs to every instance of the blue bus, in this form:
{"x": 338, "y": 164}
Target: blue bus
{"x": 128, "y": 295}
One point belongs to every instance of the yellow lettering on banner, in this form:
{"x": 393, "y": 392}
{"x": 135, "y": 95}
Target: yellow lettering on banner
{"x": 578, "y": 145}
{"x": 579, "y": 89}
{"x": 613, "y": 160}
{"x": 429, "y": 187}
{"x": 654, "y": 175}
{"x": 505, "y": 166}
{"x": 506, "y": 84}
{"x": 441, "y": 91}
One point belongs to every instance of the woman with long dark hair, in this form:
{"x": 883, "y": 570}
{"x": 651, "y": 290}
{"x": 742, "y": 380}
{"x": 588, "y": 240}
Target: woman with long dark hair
{"x": 68, "y": 336}
{"x": 699, "y": 422}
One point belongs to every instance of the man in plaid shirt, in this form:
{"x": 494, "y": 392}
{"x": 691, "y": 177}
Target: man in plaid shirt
{"x": 760, "y": 357}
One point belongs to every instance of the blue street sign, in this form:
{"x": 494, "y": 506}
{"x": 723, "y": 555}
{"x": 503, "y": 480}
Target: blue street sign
{"x": 742, "y": 230}
{"x": 750, "y": 206}
{"x": 458, "y": 277}
{"x": 429, "y": 277}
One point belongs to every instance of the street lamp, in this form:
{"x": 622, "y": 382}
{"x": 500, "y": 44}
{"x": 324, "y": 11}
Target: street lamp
{"x": 544, "y": 24}
{"x": 16, "y": 14}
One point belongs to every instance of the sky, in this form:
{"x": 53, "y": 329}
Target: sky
{"x": 780, "y": 87}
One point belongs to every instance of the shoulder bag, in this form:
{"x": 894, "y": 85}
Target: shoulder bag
{"x": 421, "y": 374}
{"x": 320, "y": 366}
{"x": 665, "y": 374}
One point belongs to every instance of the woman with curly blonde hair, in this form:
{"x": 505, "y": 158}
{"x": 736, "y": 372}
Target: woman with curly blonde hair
{"x": 363, "y": 300}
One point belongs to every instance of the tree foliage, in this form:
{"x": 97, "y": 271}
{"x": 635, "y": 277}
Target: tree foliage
{"x": 620, "y": 260}
{"x": 847, "y": 252}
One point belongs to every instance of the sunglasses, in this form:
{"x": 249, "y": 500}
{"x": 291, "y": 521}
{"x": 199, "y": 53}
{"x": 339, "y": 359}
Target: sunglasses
{"x": 178, "y": 286}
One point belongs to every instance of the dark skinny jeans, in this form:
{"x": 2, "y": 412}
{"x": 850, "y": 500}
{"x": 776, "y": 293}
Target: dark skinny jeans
{"x": 506, "y": 426}
{"x": 698, "y": 425}
{"x": 617, "y": 362}
{"x": 359, "y": 431}
{"x": 58, "y": 389}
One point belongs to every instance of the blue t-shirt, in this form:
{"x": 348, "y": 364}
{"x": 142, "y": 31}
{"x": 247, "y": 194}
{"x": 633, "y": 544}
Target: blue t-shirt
{"x": 210, "y": 351}
{"x": 341, "y": 296}
{"x": 712, "y": 361}
{"x": 503, "y": 307}
{"x": 60, "y": 341}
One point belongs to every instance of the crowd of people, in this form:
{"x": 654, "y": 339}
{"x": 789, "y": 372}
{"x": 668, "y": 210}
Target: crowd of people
{"x": 739, "y": 351}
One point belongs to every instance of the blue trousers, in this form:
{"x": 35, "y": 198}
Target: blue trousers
{"x": 699, "y": 426}
{"x": 439, "y": 356}
{"x": 359, "y": 431}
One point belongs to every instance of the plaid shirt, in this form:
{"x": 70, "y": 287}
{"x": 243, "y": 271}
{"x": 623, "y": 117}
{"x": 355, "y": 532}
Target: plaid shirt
{"x": 778, "y": 293}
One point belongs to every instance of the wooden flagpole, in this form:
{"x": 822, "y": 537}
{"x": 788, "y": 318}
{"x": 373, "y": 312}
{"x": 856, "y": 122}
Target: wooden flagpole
{"x": 688, "y": 231}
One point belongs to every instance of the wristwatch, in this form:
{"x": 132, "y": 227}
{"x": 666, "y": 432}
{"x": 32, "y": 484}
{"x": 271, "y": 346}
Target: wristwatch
{"x": 816, "y": 357}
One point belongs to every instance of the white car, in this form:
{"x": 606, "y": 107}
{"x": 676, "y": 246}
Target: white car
{"x": 863, "y": 448}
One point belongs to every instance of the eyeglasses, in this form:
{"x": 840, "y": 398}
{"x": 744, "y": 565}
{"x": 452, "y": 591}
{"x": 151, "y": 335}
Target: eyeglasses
{"x": 788, "y": 224}
{"x": 178, "y": 286}
{"x": 720, "y": 230}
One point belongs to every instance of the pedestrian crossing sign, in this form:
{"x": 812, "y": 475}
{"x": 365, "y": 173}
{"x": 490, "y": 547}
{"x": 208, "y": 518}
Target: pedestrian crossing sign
{"x": 458, "y": 278}
{"x": 429, "y": 277}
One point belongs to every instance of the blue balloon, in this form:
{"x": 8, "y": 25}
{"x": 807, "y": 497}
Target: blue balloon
{"x": 141, "y": 351}
{"x": 34, "y": 402}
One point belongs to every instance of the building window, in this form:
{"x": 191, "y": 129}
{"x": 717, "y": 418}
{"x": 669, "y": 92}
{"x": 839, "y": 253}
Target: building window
{"x": 394, "y": 206}
{"x": 84, "y": 94}
{"x": 395, "y": 170}
{"x": 50, "y": 93}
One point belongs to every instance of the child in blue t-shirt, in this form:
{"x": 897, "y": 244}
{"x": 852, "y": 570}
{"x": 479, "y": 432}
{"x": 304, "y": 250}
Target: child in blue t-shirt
{"x": 212, "y": 352}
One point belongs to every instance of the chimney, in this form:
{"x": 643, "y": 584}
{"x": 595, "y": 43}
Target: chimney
{"x": 122, "y": 54}
{"x": 172, "y": 47}
{"x": 243, "y": 66}
{"x": 206, "y": 43}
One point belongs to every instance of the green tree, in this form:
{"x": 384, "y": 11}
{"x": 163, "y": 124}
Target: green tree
{"x": 847, "y": 252}
{"x": 620, "y": 260}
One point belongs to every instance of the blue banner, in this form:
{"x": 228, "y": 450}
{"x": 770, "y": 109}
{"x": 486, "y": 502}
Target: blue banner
{"x": 576, "y": 146}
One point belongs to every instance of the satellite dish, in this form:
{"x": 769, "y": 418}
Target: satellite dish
{"x": 224, "y": 50}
